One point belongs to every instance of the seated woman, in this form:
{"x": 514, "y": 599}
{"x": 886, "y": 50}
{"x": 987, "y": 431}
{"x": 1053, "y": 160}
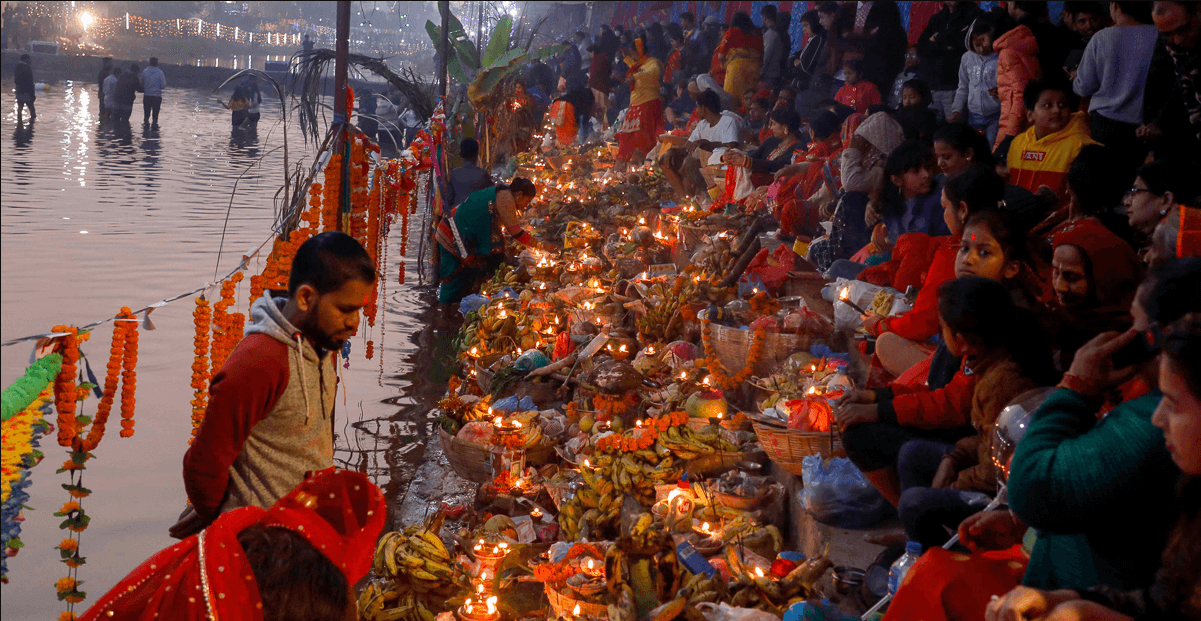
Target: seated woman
{"x": 1093, "y": 277}
{"x": 1177, "y": 236}
{"x": 798, "y": 216}
{"x": 875, "y": 424}
{"x": 1009, "y": 353}
{"x": 1158, "y": 186}
{"x": 297, "y": 560}
{"x": 1176, "y": 590}
{"x": 1098, "y": 494}
{"x": 957, "y": 145}
{"x": 1095, "y": 188}
{"x": 904, "y": 340}
{"x": 862, "y": 175}
{"x": 775, "y": 153}
{"x": 465, "y": 236}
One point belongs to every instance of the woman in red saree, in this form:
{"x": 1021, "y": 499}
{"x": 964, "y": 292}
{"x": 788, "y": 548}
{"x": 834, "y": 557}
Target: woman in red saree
{"x": 644, "y": 120}
{"x": 740, "y": 54}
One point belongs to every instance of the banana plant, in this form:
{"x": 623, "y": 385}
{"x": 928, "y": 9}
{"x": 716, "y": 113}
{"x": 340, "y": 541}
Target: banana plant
{"x": 502, "y": 58}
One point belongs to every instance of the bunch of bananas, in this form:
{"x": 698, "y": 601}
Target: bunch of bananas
{"x": 504, "y": 276}
{"x": 756, "y": 589}
{"x": 688, "y": 443}
{"x": 417, "y": 575}
{"x": 655, "y": 324}
{"x": 598, "y": 504}
{"x": 528, "y": 432}
{"x": 502, "y": 327}
{"x": 704, "y": 588}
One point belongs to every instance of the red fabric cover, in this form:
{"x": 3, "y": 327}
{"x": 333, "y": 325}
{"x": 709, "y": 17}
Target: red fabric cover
{"x": 860, "y": 96}
{"x": 241, "y": 394}
{"x": 207, "y": 576}
{"x": 953, "y": 586}
{"x": 945, "y": 408}
{"x": 917, "y": 374}
{"x": 772, "y": 267}
{"x": 921, "y": 321}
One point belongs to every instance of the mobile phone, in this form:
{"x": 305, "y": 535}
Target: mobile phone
{"x": 1145, "y": 345}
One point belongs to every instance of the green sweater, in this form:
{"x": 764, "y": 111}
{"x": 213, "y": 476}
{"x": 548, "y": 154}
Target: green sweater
{"x": 1100, "y": 494}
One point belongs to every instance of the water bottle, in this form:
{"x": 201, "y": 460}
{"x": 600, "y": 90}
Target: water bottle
{"x": 913, "y": 551}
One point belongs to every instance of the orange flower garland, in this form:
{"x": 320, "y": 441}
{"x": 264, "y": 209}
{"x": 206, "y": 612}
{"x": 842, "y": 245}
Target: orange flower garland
{"x": 112, "y": 376}
{"x": 200, "y": 366}
{"x": 718, "y": 370}
{"x": 225, "y": 335}
{"x": 129, "y": 377}
{"x": 331, "y": 193}
{"x": 64, "y": 385}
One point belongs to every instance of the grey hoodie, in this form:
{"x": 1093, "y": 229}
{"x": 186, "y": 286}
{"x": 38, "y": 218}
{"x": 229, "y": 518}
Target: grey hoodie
{"x": 269, "y": 419}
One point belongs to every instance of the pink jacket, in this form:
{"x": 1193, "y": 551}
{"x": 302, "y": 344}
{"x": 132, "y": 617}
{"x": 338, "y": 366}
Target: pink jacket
{"x": 1017, "y": 65}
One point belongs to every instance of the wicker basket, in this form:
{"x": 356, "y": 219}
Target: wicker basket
{"x": 714, "y": 176}
{"x": 787, "y": 447}
{"x": 734, "y": 346}
{"x": 564, "y": 605}
{"x": 738, "y": 502}
{"x": 689, "y": 237}
{"x": 469, "y": 460}
{"x": 474, "y": 461}
{"x": 712, "y": 464}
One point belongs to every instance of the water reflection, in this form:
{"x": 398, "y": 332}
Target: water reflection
{"x": 154, "y": 202}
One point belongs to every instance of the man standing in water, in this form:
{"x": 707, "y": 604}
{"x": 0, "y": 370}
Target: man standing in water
{"x": 153, "y": 83}
{"x": 23, "y": 80}
{"x": 270, "y": 419}
{"x": 106, "y": 69}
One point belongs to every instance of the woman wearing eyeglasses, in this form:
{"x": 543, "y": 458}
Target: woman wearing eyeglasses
{"x": 1157, "y": 187}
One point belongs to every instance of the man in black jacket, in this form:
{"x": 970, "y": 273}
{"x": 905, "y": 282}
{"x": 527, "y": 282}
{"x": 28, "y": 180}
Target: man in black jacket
{"x": 23, "y": 80}
{"x": 942, "y": 45}
{"x": 128, "y": 86}
{"x": 106, "y": 69}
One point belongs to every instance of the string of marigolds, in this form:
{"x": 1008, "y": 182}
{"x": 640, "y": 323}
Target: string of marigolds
{"x": 721, "y": 377}
{"x": 82, "y": 434}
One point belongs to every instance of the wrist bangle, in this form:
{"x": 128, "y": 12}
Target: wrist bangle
{"x": 1074, "y": 382}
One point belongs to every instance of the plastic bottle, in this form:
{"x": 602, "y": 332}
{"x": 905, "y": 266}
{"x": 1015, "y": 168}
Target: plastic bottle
{"x": 896, "y": 575}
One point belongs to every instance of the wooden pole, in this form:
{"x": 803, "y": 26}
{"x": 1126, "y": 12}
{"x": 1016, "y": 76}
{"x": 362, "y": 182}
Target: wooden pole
{"x": 341, "y": 114}
{"x": 444, "y": 49}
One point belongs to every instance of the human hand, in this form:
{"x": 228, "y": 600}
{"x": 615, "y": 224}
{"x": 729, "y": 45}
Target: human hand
{"x": 991, "y": 530}
{"x": 871, "y": 321}
{"x": 946, "y": 474}
{"x": 955, "y": 117}
{"x": 1093, "y": 363}
{"x": 1022, "y": 603}
{"x": 190, "y": 522}
{"x": 1083, "y": 610}
{"x": 1150, "y": 131}
{"x": 853, "y": 415}
{"x": 856, "y": 397}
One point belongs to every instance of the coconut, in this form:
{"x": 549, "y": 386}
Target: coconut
{"x": 615, "y": 378}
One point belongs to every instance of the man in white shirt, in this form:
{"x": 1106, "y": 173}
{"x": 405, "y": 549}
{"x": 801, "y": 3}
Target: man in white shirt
{"x": 715, "y": 132}
{"x": 153, "y": 83}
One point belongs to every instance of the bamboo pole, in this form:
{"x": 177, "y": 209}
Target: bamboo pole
{"x": 341, "y": 114}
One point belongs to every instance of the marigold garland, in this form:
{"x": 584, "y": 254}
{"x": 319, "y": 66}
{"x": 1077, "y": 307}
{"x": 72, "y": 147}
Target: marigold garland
{"x": 720, "y": 376}
{"x": 129, "y": 375}
{"x": 65, "y": 394}
{"x": 112, "y": 376}
{"x": 201, "y": 317}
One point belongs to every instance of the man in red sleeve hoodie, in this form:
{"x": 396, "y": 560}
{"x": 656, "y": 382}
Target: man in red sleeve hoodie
{"x": 269, "y": 419}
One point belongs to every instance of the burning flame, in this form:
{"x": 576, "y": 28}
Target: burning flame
{"x": 586, "y": 464}
{"x": 591, "y": 566}
{"x": 705, "y": 528}
{"x": 576, "y": 611}
{"x": 475, "y": 351}
{"x": 503, "y": 314}
{"x": 491, "y": 601}
{"x": 517, "y": 424}
{"x": 707, "y": 381}
{"x": 498, "y": 421}
{"x": 845, "y": 294}
{"x": 813, "y": 390}
{"x": 650, "y": 351}
{"x": 759, "y": 571}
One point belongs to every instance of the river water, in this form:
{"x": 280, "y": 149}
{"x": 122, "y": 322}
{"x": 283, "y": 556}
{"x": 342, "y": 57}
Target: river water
{"x": 153, "y": 204}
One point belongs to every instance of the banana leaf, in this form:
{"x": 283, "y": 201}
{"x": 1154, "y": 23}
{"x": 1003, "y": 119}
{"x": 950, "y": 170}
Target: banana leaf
{"x": 498, "y": 44}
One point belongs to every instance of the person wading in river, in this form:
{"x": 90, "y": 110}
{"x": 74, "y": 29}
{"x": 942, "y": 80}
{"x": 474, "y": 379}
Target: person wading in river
{"x": 269, "y": 420}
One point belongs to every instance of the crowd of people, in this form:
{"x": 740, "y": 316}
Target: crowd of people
{"x": 1036, "y": 184}
{"x": 1036, "y": 188}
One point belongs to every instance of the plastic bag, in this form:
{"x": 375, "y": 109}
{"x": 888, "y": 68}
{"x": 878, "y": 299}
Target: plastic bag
{"x": 512, "y": 404}
{"x": 472, "y": 303}
{"x": 725, "y": 612}
{"x": 862, "y": 294}
{"x": 530, "y": 360}
{"x": 836, "y": 493}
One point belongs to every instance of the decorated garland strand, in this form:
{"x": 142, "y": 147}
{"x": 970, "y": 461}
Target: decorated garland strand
{"x": 718, "y": 370}
{"x": 21, "y": 435}
{"x": 200, "y": 366}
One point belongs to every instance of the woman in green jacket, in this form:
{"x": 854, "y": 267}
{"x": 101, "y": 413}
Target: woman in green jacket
{"x": 469, "y": 237}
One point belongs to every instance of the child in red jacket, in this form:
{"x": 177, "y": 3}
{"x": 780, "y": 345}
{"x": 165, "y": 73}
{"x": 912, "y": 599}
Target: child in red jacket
{"x": 903, "y": 340}
{"x": 857, "y": 93}
{"x": 875, "y": 424}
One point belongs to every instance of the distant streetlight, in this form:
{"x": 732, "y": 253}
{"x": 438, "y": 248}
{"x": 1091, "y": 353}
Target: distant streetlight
{"x": 86, "y": 19}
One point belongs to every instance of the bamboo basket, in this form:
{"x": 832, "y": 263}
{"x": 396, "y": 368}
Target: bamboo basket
{"x": 689, "y": 237}
{"x": 734, "y": 346}
{"x": 738, "y": 502}
{"x": 473, "y": 461}
{"x": 787, "y": 447}
{"x": 712, "y": 464}
{"x": 564, "y": 605}
{"x": 468, "y": 459}
{"x": 715, "y": 176}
